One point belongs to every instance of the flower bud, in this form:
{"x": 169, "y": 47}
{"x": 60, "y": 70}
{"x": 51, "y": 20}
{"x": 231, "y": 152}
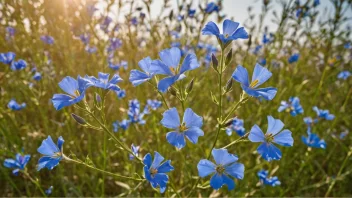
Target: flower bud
{"x": 78, "y": 119}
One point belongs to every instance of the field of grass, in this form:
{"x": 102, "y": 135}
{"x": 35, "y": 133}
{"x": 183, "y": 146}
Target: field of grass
{"x": 96, "y": 155}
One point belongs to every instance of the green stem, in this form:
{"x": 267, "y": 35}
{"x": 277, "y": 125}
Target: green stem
{"x": 100, "y": 170}
{"x": 161, "y": 94}
{"x": 236, "y": 141}
{"x": 34, "y": 182}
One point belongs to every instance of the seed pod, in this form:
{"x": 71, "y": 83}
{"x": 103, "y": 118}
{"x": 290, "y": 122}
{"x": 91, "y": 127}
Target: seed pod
{"x": 228, "y": 57}
{"x": 228, "y": 122}
{"x": 172, "y": 91}
{"x": 78, "y": 119}
{"x": 190, "y": 86}
{"x": 97, "y": 97}
{"x": 215, "y": 62}
{"x": 228, "y": 85}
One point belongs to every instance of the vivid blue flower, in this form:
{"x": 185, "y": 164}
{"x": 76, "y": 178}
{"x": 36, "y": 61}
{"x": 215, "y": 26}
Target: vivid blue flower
{"x": 313, "y": 140}
{"x": 18, "y": 65}
{"x": 49, "y": 190}
{"x": 262, "y": 61}
{"x": 323, "y": 114}
{"x": 230, "y": 31}
{"x": 273, "y": 135}
{"x": 347, "y": 45}
{"x": 344, "y": 75}
{"x": 169, "y": 66}
{"x": 343, "y": 135}
{"x": 257, "y": 49}
{"x": 270, "y": 181}
{"x": 137, "y": 77}
{"x": 225, "y": 167}
{"x": 293, "y": 106}
{"x": 237, "y": 126}
{"x": 191, "y": 12}
{"x": 75, "y": 90}
{"x": 121, "y": 94}
{"x": 268, "y": 39}
{"x": 135, "y": 151}
{"x": 211, "y": 7}
{"x": 155, "y": 172}
{"x": 103, "y": 81}
{"x": 134, "y": 113}
{"x": 154, "y": 104}
{"x": 37, "y": 76}
{"x": 19, "y": 163}
{"x": 260, "y": 75}
{"x": 124, "y": 124}
{"x": 7, "y": 58}
{"x": 293, "y": 58}
{"x": 316, "y": 3}
{"x": 13, "y": 105}
{"x": 115, "y": 43}
{"x": 47, "y": 39}
{"x": 190, "y": 127}
{"x": 53, "y": 153}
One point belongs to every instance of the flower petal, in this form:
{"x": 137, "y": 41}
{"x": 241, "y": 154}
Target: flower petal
{"x": 241, "y": 75}
{"x": 284, "y": 138}
{"x": 193, "y": 134}
{"x": 191, "y": 119}
{"x": 145, "y": 64}
{"x": 158, "y": 67}
{"x": 171, "y": 119}
{"x": 236, "y": 170}
{"x": 147, "y": 160}
{"x": 176, "y": 139}
{"x": 240, "y": 34}
{"x": 229, "y": 27}
{"x": 157, "y": 160}
{"x": 189, "y": 63}
{"x": 269, "y": 152}
{"x": 165, "y": 167}
{"x": 137, "y": 77}
{"x": 256, "y": 134}
{"x": 165, "y": 83}
{"x": 171, "y": 57}
{"x": 274, "y": 125}
{"x": 69, "y": 85}
{"x": 48, "y": 147}
{"x": 205, "y": 168}
{"x": 260, "y": 74}
{"x": 216, "y": 181}
{"x": 211, "y": 29}
{"x": 223, "y": 157}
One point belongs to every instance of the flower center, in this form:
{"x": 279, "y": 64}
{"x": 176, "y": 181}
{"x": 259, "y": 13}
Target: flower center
{"x": 153, "y": 171}
{"x": 269, "y": 138}
{"x": 226, "y": 35}
{"x": 254, "y": 83}
{"x": 220, "y": 169}
{"x": 57, "y": 154}
{"x": 183, "y": 127}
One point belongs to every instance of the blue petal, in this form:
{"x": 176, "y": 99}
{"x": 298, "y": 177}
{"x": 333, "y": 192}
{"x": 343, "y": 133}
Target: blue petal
{"x": 191, "y": 119}
{"x": 61, "y": 100}
{"x": 241, "y": 75}
{"x": 171, "y": 119}
{"x": 274, "y": 125}
{"x": 223, "y": 157}
{"x": 171, "y": 57}
{"x": 211, "y": 29}
{"x": 269, "y": 152}
{"x": 267, "y": 93}
{"x": 158, "y": 67}
{"x": 240, "y": 34}
{"x": 145, "y": 64}
{"x": 157, "y": 160}
{"x": 48, "y": 162}
{"x": 205, "y": 168}
{"x": 115, "y": 79}
{"x": 16, "y": 171}
{"x": 193, "y": 134}
{"x": 137, "y": 77}
{"x": 236, "y": 170}
{"x": 10, "y": 163}
{"x": 229, "y": 27}
{"x": 189, "y": 63}
{"x": 103, "y": 77}
{"x": 261, "y": 74}
{"x": 165, "y": 83}
{"x": 147, "y": 174}
{"x": 165, "y": 167}
{"x": 69, "y": 85}
{"x": 83, "y": 84}
{"x": 160, "y": 179}
{"x": 216, "y": 181}
{"x": 48, "y": 147}
{"x": 147, "y": 160}
{"x": 60, "y": 142}
{"x": 176, "y": 139}
{"x": 284, "y": 138}
{"x": 229, "y": 182}
{"x": 256, "y": 134}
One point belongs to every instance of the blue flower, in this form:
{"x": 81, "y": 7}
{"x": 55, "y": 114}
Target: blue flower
{"x": 190, "y": 127}
{"x": 169, "y": 65}
{"x": 19, "y": 163}
{"x": 257, "y": 49}
{"x": 155, "y": 172}
{"x": 191, "y": 12}
{"x": 273, "y": 135}
{"x": 262, "y": 61}
{"x": 134, "y": 21}
{"x": 211, "y": 7}
{"x": 49, "y": 190}
{"x": 344, "y": 75}
{"x": 237, "y": 126}
{"x": 270, "y": 181}
{"x": 124, "y": 124}
{"x": 47, "y": 39}
{"x": 115, "y": 43}
{"x": 53, "y": 153}
{"x": 115, "y": 126}
{"x": 225, "y": 167}
{"x": 85, "y": 38}
{"x": 120, "y": 94}
{"x": 134, "y": 114}
{"x": 313, "y": 140}
{"x": 154, "y": 104}
{"x": 137, "y": 77}
{"x": 230, "y": 31}
{"x": 323, "y": 114}
{"x": 268, "y": 39}
{"x": 135, "y": 151}
{"x": 293, "y": 106}
{"x": 103, "y": 81}
{"x": 260, "y": 76}
{"x": 75, "y": 90}
{"x": 13, "y": 105}
{"x": 91, "y": 50}
{"x": 18, "y": 65}
{"x": 37, "y": 76}
{"x": 316, "y": 3}
{"x": 293, "y": 58}
{"x": 7, "y": 58}
{"x": 117, "y": 66}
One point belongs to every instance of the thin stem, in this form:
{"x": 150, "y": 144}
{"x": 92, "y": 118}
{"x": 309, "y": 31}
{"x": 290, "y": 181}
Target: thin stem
{"x": 102, "y": 171}
{"x": 237, "y": 105}
{"x": 161, "y": 94}
{"x": 34, "y": 182}
{"x": 236, "y": 141}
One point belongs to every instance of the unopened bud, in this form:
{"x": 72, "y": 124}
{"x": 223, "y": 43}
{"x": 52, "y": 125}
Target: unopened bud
{"x": 78, "y": 119}
{"x": 229, "y": 57}
{"x": 215, "y": 62}
{"x": 172, "y": 91}
{"x": 190, "y": 86}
